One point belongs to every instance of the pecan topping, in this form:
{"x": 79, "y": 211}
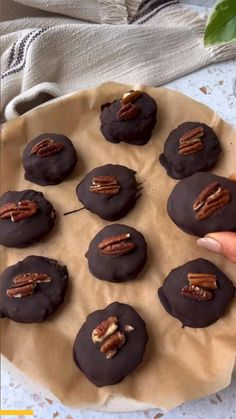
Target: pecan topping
{"x": 128, "y": 328}
{"x": 116, "y": 245}
{"x": 21, "y": 290}
{"x": 107, "y": 185}
{"x": 211, "y": 199}
{"x": 130, "y": 97}
{"x": 111, "y": 345}
{"x": 191, "y": 142}
{"x": 18, "y": 211}
{"x": 197, "y": 293}
{"x": 105, "y": 329}
{"x": 31, "y": 277}
{"x": 203, "y": 280}
{"x": 128, "y": 112}
{"x": 46, "y": 148}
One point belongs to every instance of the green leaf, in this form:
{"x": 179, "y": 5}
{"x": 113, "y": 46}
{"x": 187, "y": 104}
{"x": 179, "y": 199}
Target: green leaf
{"x": 221, "y": 26}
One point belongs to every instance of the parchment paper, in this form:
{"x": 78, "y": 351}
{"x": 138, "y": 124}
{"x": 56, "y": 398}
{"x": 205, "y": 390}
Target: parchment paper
{"x": 179, "y": 364}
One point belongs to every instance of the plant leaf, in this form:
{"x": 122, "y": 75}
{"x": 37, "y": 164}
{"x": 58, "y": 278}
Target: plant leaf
{"x": 221, "y": 26}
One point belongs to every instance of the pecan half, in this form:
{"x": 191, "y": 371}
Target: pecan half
{"x": 31, "y": 277}
{"x": 116, "y": 245}
{"x": 197, "y": 293}
{"x": 211, "y": 199}
{"x": 21, "y": 290}
{"x": 104, "y": 329}
{"x": 111, "y": 345}
{"x": 106, "y": 185}
{"x": 128, "y": 112}
{"x": 46, "y": 148}
{"x": 18, "y": 211}
{"x": 130, "y": 97}
{"x": 191, "y": 141}
{"x": 203, "y": 280}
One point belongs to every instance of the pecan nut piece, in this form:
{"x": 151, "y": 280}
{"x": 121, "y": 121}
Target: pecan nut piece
{"x": 35, "y": 277}
{"x": 203, "y": 280}
{"x": 106, "y": 185}
{"x": 18, "y": 211}
{"x": 21, "y": 290}
{"x": 128, "y": 328}
{"x": 116, "y": 245}
{"x": 191, "y": 141}
{"x": 211, "y": 199}
{"x": 111, "y": 345}
{"x": 105, "y": 329}
{"x": 196, "y": 293}
{"x": 46, "y": 148}
{"x": 130, "y": 97}
{"x": 128, "y": 112}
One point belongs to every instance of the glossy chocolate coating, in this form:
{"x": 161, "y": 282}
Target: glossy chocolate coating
{"x": 117, "y": 268}
{"x": 49, "y": 170}
{"x": 136, "y": 131}
{"x": 93, "y": 363}
{"x": 180, "y": 205}
{"x": 46, "y": 298}
{"x": 180, "y": 166}
{"x": 109, "y": 207}
{"x": 29, "y": 230}
{"x": 190, "y": 312}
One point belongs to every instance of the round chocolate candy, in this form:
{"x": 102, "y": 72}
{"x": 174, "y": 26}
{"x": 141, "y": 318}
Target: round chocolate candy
{"x": 110, "y": 344}
{"x": 196, "y": 293}
{"x": 130, "y": 119}
{"x": 117, "y": 253}
{"x": 48, "y": 159}
{"x": 25, "y": 218}
{"x": 32, "y": 289}
{"x": 191, "y": 147}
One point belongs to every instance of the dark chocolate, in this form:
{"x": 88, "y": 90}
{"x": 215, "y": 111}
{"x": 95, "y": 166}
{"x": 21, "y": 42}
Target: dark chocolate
{"x": 180, "y": 166}
{"x": 117, "y": 268}
{"x": 92, "y": 362}
{"x": 136, "y": 131}
{"x": 28, "y": 230}
{"x": 53, "y": 168}
{"x": 46, "y": 297}
{"x": 192, "y": 312}
{"x": 182, "y": 198}
{"x": 109, "y": 207}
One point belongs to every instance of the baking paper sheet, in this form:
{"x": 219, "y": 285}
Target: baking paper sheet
{"x": 179, "y": 364}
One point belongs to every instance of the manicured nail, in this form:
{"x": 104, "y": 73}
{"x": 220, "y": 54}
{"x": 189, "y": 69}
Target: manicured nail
{"x": 210, "y": 244}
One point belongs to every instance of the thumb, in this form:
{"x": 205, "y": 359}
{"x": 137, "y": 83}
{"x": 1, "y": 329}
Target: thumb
{"x": 224, "y": 243}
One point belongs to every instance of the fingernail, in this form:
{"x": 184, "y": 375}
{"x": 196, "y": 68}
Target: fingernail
{"x": 210, "y": 244}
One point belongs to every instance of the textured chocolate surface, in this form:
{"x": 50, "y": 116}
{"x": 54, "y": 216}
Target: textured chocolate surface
{"x": 136, "y": 131}
{"x": 87, "y": 356}
{"x": 47, "y": 297}
{"x": 109, "y": 207}
{"x": 180, "y": 166}
{"x": 190, "y": 312}
{"x": 52, "y": 169}
{"x": 30, "y": 230}
{"x": 117, "y": 268}
{"x": 180, "y": 205}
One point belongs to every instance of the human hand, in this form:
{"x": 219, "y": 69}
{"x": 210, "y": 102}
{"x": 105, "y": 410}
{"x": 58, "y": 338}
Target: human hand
{"x": 223, "y": 242}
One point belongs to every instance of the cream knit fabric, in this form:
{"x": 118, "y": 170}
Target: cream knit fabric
{"x": 161, "y": 44}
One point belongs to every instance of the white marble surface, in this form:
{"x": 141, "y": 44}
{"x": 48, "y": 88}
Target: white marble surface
{"x": 213, "y": 87}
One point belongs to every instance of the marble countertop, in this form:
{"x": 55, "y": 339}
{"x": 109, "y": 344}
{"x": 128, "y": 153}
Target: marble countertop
{"x": 212, "y": 86}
